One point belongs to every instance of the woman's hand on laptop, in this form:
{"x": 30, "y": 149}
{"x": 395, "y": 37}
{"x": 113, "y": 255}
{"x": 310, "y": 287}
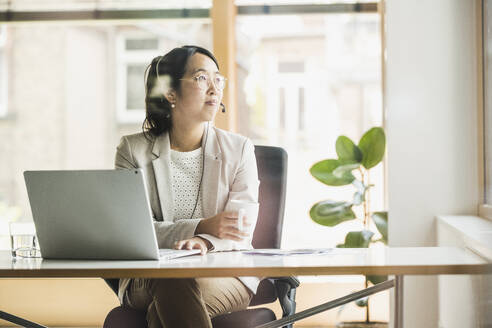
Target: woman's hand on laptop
{"x": 194, "y": 243}
{"x": 222, "y": 225}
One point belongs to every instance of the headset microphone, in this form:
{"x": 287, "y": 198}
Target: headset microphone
{"x": 223, "y": 107}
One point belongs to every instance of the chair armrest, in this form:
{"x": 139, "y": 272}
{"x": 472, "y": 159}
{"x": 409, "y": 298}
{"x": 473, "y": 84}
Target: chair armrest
{"x": 291, "y": 280}
{"x": 286, "y": 293}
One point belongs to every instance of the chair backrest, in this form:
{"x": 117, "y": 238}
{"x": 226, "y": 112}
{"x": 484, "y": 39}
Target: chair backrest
{"x": 272, "y": 173}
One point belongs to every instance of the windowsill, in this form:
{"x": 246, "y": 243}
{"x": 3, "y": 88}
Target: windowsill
{"x": 475, "y": 232}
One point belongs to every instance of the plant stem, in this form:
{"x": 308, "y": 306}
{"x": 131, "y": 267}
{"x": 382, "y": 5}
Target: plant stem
{"x": 366, "y": 214}
{"x": 367, "y": 306}
{"x": 368, "y": 200}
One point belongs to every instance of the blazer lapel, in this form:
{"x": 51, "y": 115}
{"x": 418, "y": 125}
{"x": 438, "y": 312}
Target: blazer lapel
{"x": 162, "y": 173}
{"x": 211, "y": 173}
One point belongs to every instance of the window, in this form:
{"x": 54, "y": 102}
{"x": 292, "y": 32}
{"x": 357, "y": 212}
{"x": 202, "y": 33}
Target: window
{"x": 485, "y": 117}
{"x": 304, "y": 80}
{"x": 3, "y": 71}
{"x": 487, "y": 57}
{"x": 134, "y": 53}
{"x": 70, "y": 94}
{"x": 486, "y": 209}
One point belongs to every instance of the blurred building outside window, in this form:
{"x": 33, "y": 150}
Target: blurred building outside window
{"x": 303, "y": 80}
{"x": 3, "y": 72}
{"x": 64, "y": 85}
{"x": 134, "y": 52}
{"x": 136, "y": 49}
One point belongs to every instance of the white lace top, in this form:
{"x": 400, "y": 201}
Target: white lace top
{"x": 186, "y": 170}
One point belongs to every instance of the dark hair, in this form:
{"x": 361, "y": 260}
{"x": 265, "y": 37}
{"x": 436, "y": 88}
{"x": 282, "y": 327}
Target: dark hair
{"x": 158, "y": 117}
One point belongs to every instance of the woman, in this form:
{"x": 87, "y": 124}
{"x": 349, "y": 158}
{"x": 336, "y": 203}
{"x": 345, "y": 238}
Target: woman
{"x": 192, "y": 170}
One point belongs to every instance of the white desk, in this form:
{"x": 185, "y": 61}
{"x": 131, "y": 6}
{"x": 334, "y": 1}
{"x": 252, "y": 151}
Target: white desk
{"x": 388, "y": 261}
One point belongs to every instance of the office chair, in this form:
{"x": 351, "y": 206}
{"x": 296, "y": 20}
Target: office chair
{"x": 272, "y": 171}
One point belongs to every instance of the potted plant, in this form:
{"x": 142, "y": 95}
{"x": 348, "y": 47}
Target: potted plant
{"x": 353, "y": 167}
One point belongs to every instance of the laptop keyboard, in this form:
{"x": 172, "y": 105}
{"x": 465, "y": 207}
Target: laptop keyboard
{"x": 167, "y": 253}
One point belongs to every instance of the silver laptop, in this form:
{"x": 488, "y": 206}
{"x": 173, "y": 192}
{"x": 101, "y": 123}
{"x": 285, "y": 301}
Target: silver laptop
{"x": 94, "y": 214}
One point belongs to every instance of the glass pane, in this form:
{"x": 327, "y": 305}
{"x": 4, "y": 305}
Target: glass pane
{"x": 291, "y": 67}
{"x": 2, "y": 78}
{"x": 304, "y": 80}
{"x": 142, "y": 44}
{"x": 487, "y": 58}
{"x": 135, "y": 91}
{"x": 3, "y": 71}
{"x": 69, "y": 91}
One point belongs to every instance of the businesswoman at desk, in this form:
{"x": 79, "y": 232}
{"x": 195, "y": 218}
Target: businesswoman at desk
{"x": 192, "y": 170}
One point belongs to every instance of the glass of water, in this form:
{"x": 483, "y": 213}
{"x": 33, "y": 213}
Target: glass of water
{"x": 23, "y": 241}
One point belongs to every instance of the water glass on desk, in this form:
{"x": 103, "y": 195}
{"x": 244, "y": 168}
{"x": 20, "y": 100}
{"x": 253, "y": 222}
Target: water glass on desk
{"x": 23, "y": 240}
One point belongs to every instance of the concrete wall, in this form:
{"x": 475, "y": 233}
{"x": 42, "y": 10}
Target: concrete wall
{"x": 431, "y": 122}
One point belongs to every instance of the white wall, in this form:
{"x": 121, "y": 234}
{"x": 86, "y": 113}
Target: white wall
{"x": 431, "y": 122}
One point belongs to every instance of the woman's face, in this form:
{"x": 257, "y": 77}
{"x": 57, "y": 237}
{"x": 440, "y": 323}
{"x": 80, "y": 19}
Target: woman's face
{"x": 195, "y": 104}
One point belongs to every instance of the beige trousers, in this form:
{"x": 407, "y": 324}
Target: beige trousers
{"x": 186, "y": 303}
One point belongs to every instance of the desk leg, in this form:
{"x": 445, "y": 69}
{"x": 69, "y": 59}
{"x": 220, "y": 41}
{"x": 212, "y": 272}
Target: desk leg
{"x": 399, "y": 301}
{"x": 19, "y": 321}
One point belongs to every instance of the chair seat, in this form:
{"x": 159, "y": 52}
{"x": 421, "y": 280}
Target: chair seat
{"x": 125, "y": 317}
{"x": 244, "y": 319}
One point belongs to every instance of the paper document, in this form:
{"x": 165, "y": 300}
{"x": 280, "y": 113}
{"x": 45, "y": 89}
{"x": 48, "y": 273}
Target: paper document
{"x": 275, "y": 252}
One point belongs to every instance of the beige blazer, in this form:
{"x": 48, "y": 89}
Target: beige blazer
{"x": 230, "y": 172}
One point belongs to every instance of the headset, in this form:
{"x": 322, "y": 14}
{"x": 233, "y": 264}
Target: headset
{"x": 162, "y": 91}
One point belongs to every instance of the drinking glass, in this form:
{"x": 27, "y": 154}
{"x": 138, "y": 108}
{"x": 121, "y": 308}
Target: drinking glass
{"x": 23, "y": 241}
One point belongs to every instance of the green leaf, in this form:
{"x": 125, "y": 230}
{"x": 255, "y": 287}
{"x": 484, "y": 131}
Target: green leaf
{"x": 346, "y": 149}
{"x": 372, "y": 145}
{"x": 358, "y": 198}
{"x": 330, "y": 213}
{"x": 357, "y": 239}
{"x": 342, "y": 170}
{"x": 376, "y": 279}
{"x": 323, "y": 172}
{"x": 362, "y": 302}
{"x": 381, "y": 221}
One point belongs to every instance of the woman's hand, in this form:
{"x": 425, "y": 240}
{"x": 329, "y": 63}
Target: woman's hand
{"x": 194, "y": 243}
{"x": 223, "y": 226}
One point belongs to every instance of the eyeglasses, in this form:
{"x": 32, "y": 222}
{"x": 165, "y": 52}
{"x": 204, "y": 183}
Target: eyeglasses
{"x": 203, "y": 81}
